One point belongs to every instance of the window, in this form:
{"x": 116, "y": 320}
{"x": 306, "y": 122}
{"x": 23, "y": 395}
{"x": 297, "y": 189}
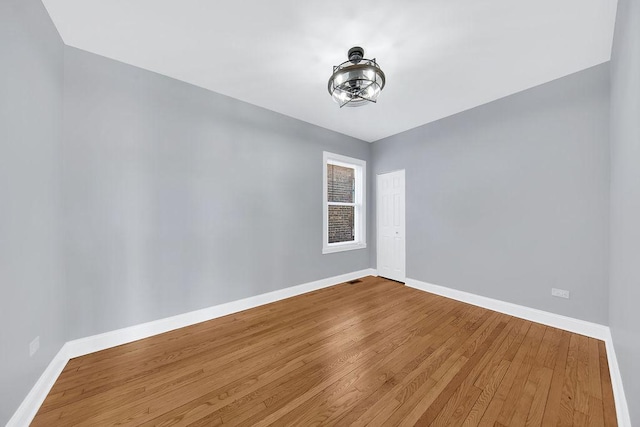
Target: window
{"x": 343, "y": 203}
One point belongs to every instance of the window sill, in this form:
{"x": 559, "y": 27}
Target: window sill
{"x": 343, "y": 247}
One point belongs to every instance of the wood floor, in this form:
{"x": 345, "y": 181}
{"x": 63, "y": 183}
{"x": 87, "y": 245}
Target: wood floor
{"x": 371, "y": 353}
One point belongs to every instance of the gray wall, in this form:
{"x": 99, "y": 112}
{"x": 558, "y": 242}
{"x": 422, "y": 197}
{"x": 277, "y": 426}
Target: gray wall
{"x": 176, "y": 198}
{"x": 32, "y": 297}
{"x": 625, "y": 199}
{"x": 510, "y": 199}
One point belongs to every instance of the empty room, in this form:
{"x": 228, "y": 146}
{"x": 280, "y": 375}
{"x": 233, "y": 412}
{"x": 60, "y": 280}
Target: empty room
{"x": 252, "y": 213}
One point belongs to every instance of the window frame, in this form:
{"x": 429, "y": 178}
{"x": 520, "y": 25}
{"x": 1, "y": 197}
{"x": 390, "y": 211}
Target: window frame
{"x": 360, "y": 203}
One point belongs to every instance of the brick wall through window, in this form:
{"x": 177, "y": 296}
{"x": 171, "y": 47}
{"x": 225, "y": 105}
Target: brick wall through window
{"x": 341, "y": 189}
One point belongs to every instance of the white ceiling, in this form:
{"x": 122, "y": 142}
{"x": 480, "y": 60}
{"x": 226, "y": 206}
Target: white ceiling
{"x": 440, "y": 56}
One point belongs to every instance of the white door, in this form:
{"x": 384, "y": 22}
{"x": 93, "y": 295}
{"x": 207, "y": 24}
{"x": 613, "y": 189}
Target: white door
{"x": 391, "y": 228}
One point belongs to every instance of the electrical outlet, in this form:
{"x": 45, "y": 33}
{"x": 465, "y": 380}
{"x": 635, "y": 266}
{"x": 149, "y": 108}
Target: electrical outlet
{"x": 34, "y": 346}
{"x": 561, "y": 293}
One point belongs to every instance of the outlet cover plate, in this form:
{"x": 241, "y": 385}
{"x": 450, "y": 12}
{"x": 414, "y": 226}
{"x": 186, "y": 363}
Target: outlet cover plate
{"x": 561, "y": 293}
{"x": 34, "y": 346}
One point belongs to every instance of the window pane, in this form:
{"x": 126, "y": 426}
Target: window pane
{"x": 341, "y": 184}
{"x": 341, "y": 224}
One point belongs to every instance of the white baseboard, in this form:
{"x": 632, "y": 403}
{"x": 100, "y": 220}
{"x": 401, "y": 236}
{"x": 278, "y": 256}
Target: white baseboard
{"x": 593, "y": 330}
{"x": 622, "y": 408}
{"x": 30, "y": 405}
{"x": 94, "y": 343}
{"x": 550, "y": 319}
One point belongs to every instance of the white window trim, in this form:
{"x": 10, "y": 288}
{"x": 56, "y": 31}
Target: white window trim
{"x": 360, "y": 204}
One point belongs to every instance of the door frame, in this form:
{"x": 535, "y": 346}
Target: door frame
{"x": 404, "y": 222}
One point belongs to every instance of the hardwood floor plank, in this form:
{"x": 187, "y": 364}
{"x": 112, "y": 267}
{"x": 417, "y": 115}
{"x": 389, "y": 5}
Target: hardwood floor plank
{"x": 536, "y": 383}
{"x": 608, "y": 405}
{"x": 490, "y": 387}
{"x": 581, "y": 402}
{"x": 552, "y": 408}
{"x": 421, "y": 377}
{"x": 517, "y": 390}
{"x": 374, "y": 353}
{"x": 524, "y": 402}
{"x": 510, "y": 387}
{"x": 595, "y": 386}
{"x": 554, "y": 347}
{"x": 596, "y": 413}
{"x": 465, "y": 396}
{"x": 569, "y": 388}
{"x": 428, "y": 415}
{"x": 516, "y": 335}
{"x": 538, "y": 405}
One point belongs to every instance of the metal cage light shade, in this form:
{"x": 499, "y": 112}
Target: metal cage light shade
{"x": 357, "y": 81}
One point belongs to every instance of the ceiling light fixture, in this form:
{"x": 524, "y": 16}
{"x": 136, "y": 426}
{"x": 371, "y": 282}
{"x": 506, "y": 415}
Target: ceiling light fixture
{"x": 357, "y": 81}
